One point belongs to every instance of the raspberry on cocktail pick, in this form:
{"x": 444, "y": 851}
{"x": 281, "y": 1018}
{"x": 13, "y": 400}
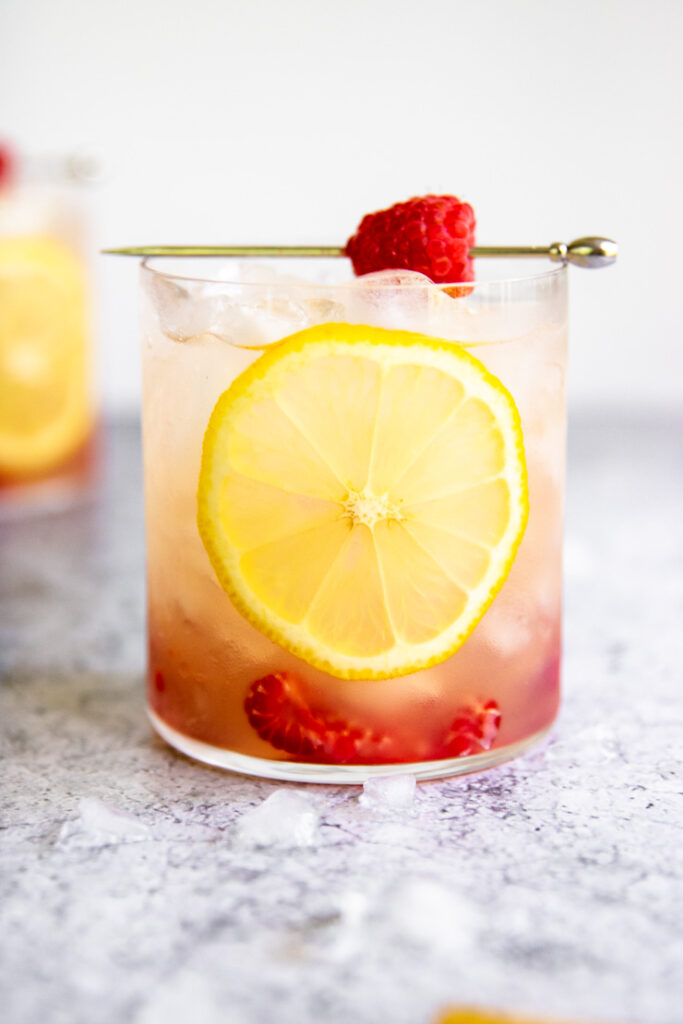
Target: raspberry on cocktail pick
{"x": 433, "y": 235}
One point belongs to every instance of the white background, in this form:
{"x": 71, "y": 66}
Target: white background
{"x": 275, "y": 121}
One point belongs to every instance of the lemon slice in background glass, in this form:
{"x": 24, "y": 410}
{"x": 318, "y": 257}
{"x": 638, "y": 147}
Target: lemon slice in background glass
{"x": 362, "y": 496}
{"x": 45, "y": 404}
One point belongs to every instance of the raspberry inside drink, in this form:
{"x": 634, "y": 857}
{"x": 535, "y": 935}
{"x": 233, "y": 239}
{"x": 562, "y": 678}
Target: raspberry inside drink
{"x": 254, "y": 664}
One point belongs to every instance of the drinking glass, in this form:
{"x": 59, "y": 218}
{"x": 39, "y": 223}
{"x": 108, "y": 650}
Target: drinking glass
{"x": 47, "y": 419}
{"x": 231, "y": 682}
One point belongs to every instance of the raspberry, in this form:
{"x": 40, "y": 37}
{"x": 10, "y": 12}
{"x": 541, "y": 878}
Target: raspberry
{"x": 429, "y": 234}
{"x": 6, "y": 165}
{"x": 473, "y": 730}
{"x": 277, "y": 710}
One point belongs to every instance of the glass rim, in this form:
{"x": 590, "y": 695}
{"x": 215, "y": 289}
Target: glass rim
{"x": 149, "y": 265}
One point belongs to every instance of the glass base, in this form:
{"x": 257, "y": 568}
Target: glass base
{"x": 353, "y": 775}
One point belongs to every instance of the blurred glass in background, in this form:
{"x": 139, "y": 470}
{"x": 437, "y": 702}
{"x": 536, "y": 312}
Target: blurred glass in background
{"x": 48, "y": 446}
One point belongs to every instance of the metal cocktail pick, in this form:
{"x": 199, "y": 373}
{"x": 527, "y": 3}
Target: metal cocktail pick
{"x": 590, "y": 251}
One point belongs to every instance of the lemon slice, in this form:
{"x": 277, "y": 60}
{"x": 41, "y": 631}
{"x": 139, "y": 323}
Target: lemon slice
{"x": 362, "y": 496}
{"x": 45, "y": 410}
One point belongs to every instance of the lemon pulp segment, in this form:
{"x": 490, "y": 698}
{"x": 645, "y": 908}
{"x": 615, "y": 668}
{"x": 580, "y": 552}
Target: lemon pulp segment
{"x": 362, "y": 496}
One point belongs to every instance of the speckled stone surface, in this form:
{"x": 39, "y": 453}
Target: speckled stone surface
{"x": 131, "y": 888}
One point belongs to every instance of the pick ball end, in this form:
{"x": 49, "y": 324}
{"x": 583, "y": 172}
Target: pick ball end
{"x": 592, "y": 252}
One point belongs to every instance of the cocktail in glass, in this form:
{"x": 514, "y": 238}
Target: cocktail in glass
{"x": 47, "y": 446}
{"x": 354, "y": 493}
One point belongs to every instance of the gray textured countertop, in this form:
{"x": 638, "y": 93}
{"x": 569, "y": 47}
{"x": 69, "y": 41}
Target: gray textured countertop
{"x": 132, "y": 884}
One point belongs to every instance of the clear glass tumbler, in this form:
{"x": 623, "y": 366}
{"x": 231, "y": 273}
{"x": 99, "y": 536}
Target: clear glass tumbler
{"x": 47, "y": 412}
{"x": 354, "y": 500}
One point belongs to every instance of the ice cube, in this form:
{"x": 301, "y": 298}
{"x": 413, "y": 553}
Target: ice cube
{"x": 347, "y": 932}
{"x": 413, "y": 911}
{"x": 428, "y": 914}
{"x": 386, "y": 792}
{"x": 270, "y": 305}
{"x": 260, "y": 322}
{"x": 247, "y": 319}
{"x": 510, "y": 630}
{"x": 99, "y": 824}
{"x": 353, "y": 908}
{"x": 250, "y": 306}
{"x": 267, "y": 272}
{"x": 185, "y": 310}
{"x": 396, "y": 299}
{"x": 285, "y": 819}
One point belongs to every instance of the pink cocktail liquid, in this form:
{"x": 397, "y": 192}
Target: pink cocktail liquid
{"x": 483, "y": 704}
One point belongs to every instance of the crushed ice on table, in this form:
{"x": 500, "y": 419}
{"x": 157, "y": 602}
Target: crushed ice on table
{"x": 428, "y": 914}
{"x": 99, "y": 824}
{"x": 599, "y": 742}
{"x": 387, "y": 792}
{"x": 285, "y": 819}
{"x": 413, "y": 911}
{"x": 347, "y": 931}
